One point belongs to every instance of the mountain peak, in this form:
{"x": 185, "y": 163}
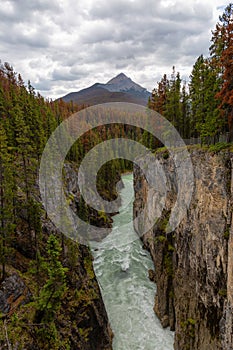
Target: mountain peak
{"x": 122, "y": 75}
{"x": 118, "y": 78}
{"x": 122, "y": 83}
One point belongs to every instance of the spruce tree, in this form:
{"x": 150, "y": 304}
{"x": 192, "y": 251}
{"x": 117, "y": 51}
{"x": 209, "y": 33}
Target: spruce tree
{"x": 204, "y": 85}
{"x": 173, "y": 105}
{"x": 50, "y": 297}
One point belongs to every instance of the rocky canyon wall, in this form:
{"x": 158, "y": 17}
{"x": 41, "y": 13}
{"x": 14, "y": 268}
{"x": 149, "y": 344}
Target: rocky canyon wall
{"x": 194, "y": 262}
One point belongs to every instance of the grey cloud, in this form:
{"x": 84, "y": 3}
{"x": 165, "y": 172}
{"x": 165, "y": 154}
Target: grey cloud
{"x": 22, "y": 28}
{"x": 26, "y": 10}
{"x": 127, "y": 11}
{"x": 123, "y": 10}
{"x": 69, "y": 59}
{"x": 98, "y": 33}
{"x": 37, "y": 5}
{"x": 142, "y": 34}
{"x": 43, "y": 85}
{"x": 36, "y": 41}
{"x": 68, "y": 74}
{"x": 122, "y": 65}
{"x": 63, "y": 75}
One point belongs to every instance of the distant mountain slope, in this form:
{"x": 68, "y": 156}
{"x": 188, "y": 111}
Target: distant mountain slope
{"x": 119, "y": 89}
{"x": 122, "y": 83}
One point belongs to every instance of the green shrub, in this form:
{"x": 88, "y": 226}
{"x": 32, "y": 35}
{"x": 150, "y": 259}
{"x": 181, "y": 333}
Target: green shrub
{"x": 218, "y": 147}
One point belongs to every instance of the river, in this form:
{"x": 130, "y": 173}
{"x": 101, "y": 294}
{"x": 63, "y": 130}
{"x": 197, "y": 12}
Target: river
{"x": 121, "y": 266}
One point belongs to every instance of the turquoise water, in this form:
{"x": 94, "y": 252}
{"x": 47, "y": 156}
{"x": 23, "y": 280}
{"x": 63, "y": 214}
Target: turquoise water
{"x": 121, "y": 266}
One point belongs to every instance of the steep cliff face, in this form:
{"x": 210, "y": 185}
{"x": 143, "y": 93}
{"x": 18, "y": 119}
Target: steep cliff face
{"x": 84, "y": 211}
{"x": 194, "y": 263}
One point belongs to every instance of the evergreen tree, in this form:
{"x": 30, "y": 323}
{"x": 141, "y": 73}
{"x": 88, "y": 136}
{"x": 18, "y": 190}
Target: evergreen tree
{"x": 204, "y": 85}
{"x": 222, "y": 53}
{"x": 50, "y": 297}
{"x": 173, "y": 105}
{"x": 185, "y": 113}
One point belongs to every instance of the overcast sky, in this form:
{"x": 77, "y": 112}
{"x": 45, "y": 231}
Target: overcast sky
{"x": 66, "y": 45}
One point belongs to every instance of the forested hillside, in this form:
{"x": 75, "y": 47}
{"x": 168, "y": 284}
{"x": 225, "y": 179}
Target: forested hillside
{"x": 49, "y": 296}
{"x": 203, "y": 106}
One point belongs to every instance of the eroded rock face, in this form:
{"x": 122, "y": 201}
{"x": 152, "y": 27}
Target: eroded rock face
{"x": 194, "y": 263}
{"x": 13, "y": 293}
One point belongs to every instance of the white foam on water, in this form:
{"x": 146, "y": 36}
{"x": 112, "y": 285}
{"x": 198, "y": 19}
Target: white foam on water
{"x": 121, "y": 266}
